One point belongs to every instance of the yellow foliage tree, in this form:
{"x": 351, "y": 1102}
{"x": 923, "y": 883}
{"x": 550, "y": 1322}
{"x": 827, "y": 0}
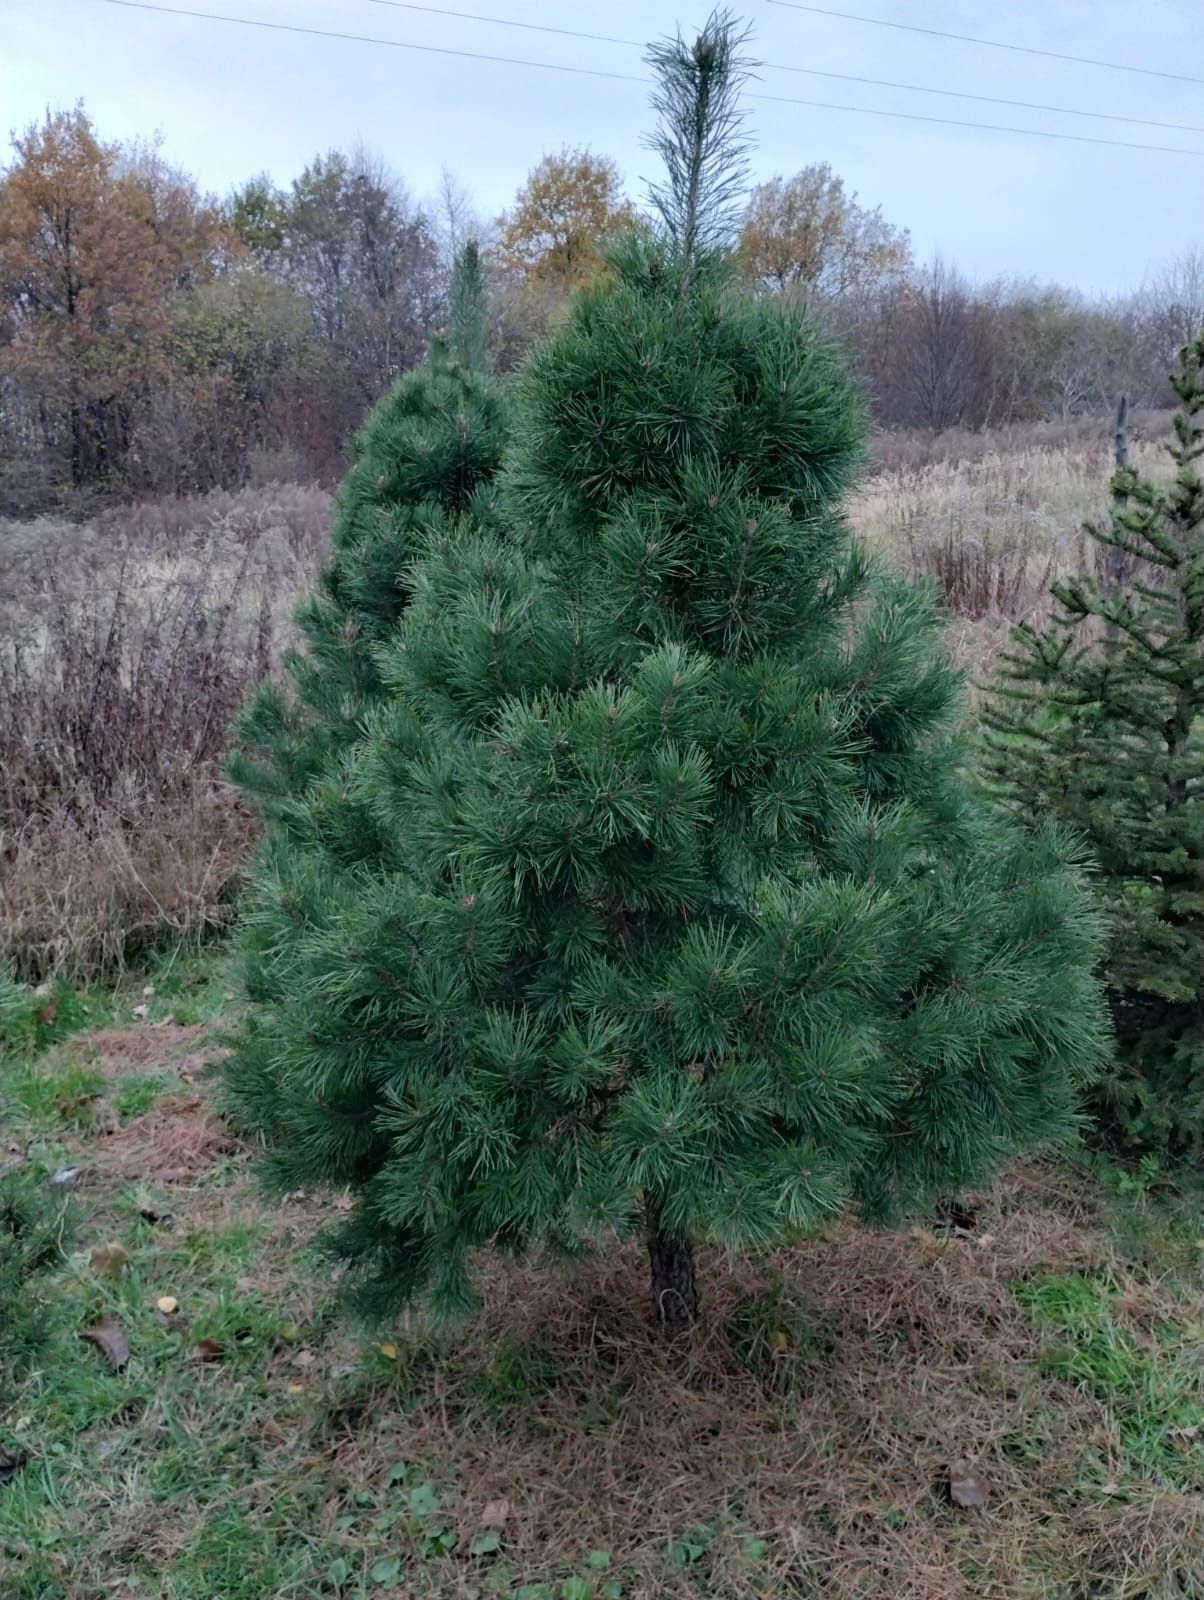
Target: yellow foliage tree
{"x": 553, "y": 241}
{"x": 807, "y": 236}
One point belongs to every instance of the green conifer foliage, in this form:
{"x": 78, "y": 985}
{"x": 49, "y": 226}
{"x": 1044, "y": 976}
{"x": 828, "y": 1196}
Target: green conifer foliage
{"x": 689, "y": 927}
{"x": 1100, "y": 722}
{"x": 424, "y": 462}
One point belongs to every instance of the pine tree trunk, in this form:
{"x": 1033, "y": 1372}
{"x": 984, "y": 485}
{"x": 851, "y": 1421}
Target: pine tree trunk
{"x": 674, "y": 1289}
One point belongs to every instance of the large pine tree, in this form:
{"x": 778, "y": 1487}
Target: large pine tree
{"x": 688, "y": 925}
{"x": 1099, "y": 721}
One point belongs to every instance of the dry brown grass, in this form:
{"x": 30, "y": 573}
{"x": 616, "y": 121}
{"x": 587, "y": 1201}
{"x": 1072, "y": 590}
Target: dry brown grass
{"x": 994, "y": 521}
{"x": 128, "y": 645}
{"x": 129, "y": 641}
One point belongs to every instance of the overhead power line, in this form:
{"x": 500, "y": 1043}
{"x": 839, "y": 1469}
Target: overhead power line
{"x": 991, "y": 44}
{"x": 364, "y": 38}
{"x": 508, "y": 22}
{"x": 628, "y": 77}
{"x": 807, "y": 72}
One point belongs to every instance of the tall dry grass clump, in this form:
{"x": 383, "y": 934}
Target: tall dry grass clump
{"x": 994, "y": 520}
{"x": 126, "y": 645}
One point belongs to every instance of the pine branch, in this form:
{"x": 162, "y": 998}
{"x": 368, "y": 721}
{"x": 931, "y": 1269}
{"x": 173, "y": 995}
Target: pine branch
{"x": 700, "y": 139}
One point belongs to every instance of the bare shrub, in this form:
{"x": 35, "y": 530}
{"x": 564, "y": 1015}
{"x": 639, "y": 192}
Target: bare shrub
{"x": 978, "y": 581}
{"x": 128, "y": 643}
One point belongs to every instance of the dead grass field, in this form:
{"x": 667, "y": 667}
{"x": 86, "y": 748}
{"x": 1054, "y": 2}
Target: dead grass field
{"x": 128, "y": 642}
{"x": 1046, "y": 1337}
{"x": 996, "y": 526}
{"x": 127, "y": 645}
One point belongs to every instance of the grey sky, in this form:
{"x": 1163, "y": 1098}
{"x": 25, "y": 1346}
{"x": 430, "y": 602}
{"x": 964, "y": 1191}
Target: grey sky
{"x": 230, "y": 101}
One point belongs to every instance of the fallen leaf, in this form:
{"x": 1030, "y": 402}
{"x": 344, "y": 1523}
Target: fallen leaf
{"x": 389, "y": 1351}
{"x": 206, "y": 1350}
{"x": 304, "y": 1359}
{"x": 167, "y": 1303}
{"x": 64, "y": 1178}
{"x": 11, "y": 1462}
{"x": 1110, "y": 1488}
{"x": 1189, "y": 1432}
{"x": 46, "y": 1013}
{"x": 110, "y": 1260}
{"x": 495, "y": 1513}
{"x": 966, "y": 1487}
{"x": 109, "y": 1338}
{"x": 296, "y": 1388}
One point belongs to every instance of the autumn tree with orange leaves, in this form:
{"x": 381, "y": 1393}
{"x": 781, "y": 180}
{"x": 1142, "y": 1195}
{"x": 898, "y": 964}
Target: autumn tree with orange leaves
{"x": 95, "y": 240}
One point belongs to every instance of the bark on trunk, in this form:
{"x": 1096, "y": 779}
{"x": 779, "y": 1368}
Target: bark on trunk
{"x": 674, "y": 1290}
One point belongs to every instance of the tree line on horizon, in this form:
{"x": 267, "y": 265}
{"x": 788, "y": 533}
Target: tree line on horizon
{"x": 155, "y": 339}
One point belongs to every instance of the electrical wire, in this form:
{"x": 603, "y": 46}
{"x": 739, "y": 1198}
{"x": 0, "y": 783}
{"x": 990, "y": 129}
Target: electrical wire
{"x": 992, "y": 44}
{"x": 363, "y": 38}
{"x": 627, "y": 77}
{"x": 808, "y": 72}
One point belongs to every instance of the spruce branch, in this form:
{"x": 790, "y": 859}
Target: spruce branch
{"x": 701, "y": 138}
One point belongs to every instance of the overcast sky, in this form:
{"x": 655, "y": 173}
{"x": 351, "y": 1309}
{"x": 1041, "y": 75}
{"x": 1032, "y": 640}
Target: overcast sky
{"x": 230, "y": 101}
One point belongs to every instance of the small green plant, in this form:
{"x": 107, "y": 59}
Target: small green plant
{"x": 778, "y": 1338}
{"x": 691, "y": 1549}
{"x": 33, "y": 1223}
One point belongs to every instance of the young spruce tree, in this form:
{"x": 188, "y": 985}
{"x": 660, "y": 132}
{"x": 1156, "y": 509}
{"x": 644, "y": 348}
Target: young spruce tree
{"x": 424, "y": 461}
{"x": 688, "y": 925}
{"x": 1099, "y": 721}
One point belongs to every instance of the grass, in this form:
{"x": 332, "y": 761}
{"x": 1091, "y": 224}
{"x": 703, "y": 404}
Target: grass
{"x": 257, "y": 1445}
{"x": 127, "y": 644}
{"x": 993, "y": 527}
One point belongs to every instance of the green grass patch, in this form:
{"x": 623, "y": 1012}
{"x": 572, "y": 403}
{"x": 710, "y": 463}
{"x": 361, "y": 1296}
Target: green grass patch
{"x": 1147, "y": 1371}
